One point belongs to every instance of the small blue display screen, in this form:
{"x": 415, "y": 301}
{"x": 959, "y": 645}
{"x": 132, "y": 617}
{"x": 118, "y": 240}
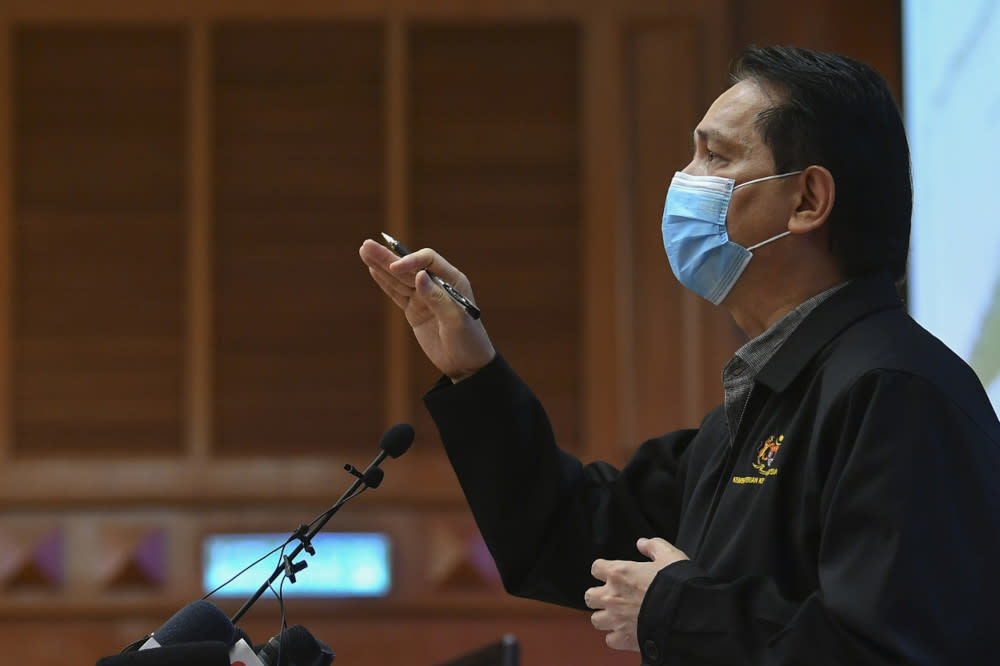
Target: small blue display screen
{"x": 346, "y": 564}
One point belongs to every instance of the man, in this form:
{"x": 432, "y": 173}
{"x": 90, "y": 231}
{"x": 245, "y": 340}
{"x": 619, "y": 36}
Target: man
{"x": 843, "y": 505}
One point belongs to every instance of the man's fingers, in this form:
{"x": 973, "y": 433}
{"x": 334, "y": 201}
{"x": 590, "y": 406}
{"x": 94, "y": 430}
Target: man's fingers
{"x": 390, "y": 282}
{"x": 401, "y": 285}
{"x": 622, "y": 640}
{"x": 599, "y": 569}
{"x": 405, "y": 269}
{"x": 378, "y": 258}
{"x": 436, "y": 298}
{"x": 427, "y": 259}
{"x": 620, "y": 636}
{"x": 617, "y": 602}
{"x": 658, "y": 549}
{"x": 613, "y": 614}
{"x": 376, "y": 254}
{"x": 404, "y": 277}
{"x": 593, "y": 598}
{"x": 396, "y": 290}
{"x": 604, "y": 621}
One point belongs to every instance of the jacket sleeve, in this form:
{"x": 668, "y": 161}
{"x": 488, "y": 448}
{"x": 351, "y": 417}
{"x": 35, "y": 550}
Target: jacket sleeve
{"x": 543, "y": 514}
{"x": 909, "y": 540}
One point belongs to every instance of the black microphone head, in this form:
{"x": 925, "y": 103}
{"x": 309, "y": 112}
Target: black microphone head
{"x": 198, "y": 621}
{"x": 201, "y": 653}
{"x": 238, "y": 634}
{"x": 297, "y": 647}
{"x": 397, "y": 439}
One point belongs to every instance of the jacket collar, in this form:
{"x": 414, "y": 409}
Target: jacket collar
{"x": 858, "y": 299}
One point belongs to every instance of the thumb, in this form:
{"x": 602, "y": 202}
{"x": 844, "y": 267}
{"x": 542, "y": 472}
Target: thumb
{"x": 430, "y": 292}
{"x": 656, "y": 548}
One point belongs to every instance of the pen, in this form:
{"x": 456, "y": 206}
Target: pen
{"x": 456, "y": 296}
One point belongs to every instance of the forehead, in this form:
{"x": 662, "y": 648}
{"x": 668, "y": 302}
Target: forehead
{"x": 732, "y": 116}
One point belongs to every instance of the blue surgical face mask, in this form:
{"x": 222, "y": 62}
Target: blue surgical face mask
{"x": 695, "y": 236}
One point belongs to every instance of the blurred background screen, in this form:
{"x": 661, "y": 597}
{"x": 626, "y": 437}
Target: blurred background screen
{"x": 952, "y": 105}
{"x": 345, "y": 565}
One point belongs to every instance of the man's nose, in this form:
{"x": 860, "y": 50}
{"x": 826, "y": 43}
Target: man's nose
{"x": 692, "y": 169}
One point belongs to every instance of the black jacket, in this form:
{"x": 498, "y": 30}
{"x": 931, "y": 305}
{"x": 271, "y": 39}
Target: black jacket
{"x": 855, "y": 518}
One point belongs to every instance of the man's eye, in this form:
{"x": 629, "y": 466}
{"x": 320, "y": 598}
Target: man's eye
{"x": 712, "y": 155}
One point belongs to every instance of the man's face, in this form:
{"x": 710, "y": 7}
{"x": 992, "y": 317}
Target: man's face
{"x": 727, "y": 143}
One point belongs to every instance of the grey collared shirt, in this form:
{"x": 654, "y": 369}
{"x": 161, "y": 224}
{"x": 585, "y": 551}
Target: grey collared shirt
{"x": 739, "y": 374}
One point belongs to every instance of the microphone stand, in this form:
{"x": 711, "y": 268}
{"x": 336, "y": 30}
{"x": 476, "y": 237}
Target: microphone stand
{"x": 371, "y": 478}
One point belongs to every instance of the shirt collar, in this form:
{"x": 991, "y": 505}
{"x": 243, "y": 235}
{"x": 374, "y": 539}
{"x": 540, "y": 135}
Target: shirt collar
{"x": 858, "y": 299}
{"x": 755, "y": 354}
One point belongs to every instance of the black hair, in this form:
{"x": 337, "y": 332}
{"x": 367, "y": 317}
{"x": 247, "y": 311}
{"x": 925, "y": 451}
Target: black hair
{"x": 838, "y": 113}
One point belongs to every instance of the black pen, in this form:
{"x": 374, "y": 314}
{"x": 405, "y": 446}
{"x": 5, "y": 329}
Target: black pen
{"x": 456, "y": 296}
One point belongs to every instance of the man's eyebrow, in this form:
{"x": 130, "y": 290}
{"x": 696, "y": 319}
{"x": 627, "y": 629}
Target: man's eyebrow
{"x": 713, "y": 135}
{"x": 729, "y": 145}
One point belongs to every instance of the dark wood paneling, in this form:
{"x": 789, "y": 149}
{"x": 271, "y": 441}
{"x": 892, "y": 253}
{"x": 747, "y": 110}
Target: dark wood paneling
{"x": 866, "y": 29}
{"x": 680, "y": 341}
{"x": 495, "y": 187}
{"x": 97, "y": 236}
{"x": 298, "y": 174}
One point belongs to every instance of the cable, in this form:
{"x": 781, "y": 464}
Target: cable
{"x": 322, "y": 517}
{"x": 279, "y": 594}
{"x": 251, "y": 566}
{"x": 343, "y": 502}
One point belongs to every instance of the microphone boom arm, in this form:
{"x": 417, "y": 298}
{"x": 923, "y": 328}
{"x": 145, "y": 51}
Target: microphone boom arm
{"x": 318, "y": 524}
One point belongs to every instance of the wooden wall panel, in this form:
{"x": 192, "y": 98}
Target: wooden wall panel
{"x": 97, "y": 236}
{"x": 495, "y": 187}
{"x": 680, "y": 342}
{"x": 865, "y": 29}
{"x": 298, "y": 171}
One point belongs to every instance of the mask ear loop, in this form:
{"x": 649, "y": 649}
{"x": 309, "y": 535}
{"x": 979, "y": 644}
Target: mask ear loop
{"x": 775, "y": 176}
{"x": 769, "y": 240}
{"x": 758, "y": 180}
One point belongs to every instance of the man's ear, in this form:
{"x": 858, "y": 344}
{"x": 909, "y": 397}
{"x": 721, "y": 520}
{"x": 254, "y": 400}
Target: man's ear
{"x": 815, "y": 200}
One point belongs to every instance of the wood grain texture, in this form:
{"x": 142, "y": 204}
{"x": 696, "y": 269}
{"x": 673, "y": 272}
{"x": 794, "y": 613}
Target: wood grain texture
{"x": 97, "y": 235}
{"x": 679, "y": 341}
{"x": 495, "y": 183}
{"x": 298, "y": 168}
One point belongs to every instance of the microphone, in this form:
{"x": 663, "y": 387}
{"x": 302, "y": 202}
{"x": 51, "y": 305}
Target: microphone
{"x": 239, "y": 634}
{"x": 295, "y": 646}
{"x": 205, "y": 653}
{"x": 198, "y": 621}
{"x": 243, "y": 654}
{"x": 394, "y": 443}
{"x": 372, "y": 479}
{"x": 397, "y": 440}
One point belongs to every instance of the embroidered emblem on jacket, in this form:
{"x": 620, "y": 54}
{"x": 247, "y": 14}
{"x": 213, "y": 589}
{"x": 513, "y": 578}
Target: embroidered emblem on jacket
{"x": 765, "y": 457}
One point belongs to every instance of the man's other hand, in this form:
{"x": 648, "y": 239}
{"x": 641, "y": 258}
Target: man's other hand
{"x": 617, "y": 602}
